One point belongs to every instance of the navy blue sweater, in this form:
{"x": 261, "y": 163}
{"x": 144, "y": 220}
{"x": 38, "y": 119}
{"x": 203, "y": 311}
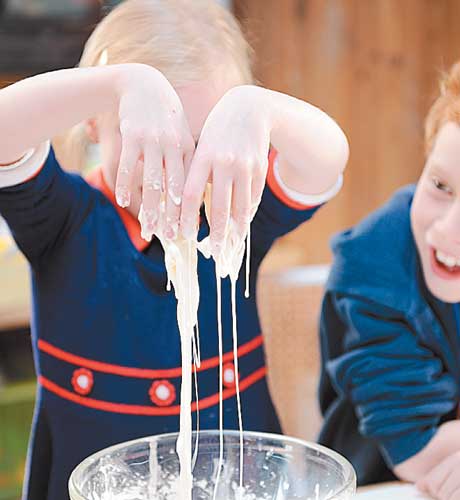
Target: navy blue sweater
{"x": 390, "y": 349}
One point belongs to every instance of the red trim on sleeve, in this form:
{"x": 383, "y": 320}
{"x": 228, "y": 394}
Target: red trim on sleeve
{"x": 132, "y": 225}
{"x": 276, "y": 188}
{"x": 35, "y": 174}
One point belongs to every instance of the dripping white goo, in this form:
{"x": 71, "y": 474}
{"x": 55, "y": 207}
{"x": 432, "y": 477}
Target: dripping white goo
{"x": 181, "y": 258}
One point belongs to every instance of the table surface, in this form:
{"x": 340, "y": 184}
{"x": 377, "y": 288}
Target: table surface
{"x": 390, "y": 491}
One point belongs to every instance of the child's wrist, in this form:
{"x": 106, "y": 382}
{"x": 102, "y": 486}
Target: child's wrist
{"x": 126, "y": 74}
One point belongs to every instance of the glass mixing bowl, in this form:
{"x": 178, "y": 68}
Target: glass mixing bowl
{"x": 275, "y": 468}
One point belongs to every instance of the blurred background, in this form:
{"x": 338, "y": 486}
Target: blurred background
{"x": 371, "y": 64}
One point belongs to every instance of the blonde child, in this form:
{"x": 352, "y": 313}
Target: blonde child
{"x": 165, "y": 88}
{"x": 390, "y": 325}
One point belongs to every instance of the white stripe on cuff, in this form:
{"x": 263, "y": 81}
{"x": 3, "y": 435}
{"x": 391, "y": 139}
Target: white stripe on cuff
{"x": 25, "y": 168}
{"x": 307, "y": 199}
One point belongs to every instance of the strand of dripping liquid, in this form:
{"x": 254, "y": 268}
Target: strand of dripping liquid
{"x": 181, "y": 265}
{"x": 187, "y": 323}
{"x": 183, "y": 445}
{"x": 233, "y": 278}
{"x": 153, "y": 459}
{"x": 196, "y": 365}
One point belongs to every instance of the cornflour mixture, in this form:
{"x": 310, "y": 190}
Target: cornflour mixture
{"x": 181, "y": 258}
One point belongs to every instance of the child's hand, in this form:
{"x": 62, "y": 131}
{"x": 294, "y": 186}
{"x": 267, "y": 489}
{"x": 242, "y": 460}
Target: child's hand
{"x": 154, "y": 132}
{"x": 443, "y": 482}
{"x": 232, "y": 153}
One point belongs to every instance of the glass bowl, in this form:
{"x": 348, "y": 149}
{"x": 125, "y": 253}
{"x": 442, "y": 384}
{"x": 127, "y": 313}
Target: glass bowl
{"x": 275, "y": 467}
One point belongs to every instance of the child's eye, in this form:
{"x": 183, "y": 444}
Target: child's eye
{"x": 441, "y": 186}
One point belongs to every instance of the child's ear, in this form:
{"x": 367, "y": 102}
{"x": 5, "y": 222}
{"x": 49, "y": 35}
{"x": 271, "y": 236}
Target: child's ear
{"x": 92, "y": 131}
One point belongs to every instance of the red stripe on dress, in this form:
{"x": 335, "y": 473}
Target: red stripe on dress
{"x": 128, "y": 409}
{"x": 126, "y": 371}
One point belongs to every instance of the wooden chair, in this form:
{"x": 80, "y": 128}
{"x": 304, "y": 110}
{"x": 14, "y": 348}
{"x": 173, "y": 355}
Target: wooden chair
{"x": 289, "y": 302}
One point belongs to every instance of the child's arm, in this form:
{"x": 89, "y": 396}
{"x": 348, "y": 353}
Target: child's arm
{"x": 233, "y": 152}
{"x": 38, "y": 108}
{"x": 149, "y": 125}
{"x": 313, "y": 149}
{"x": 445, "y": 442}
{"x": 398, "y": 388}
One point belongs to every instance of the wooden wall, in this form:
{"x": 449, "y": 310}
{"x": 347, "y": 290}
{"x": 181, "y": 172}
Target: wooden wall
{"x": 371, "y": 64}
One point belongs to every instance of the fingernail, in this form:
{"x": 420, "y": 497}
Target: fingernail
{"x": 145, "y": 235}
{"x": 147, "y": 219}
{"x": 175, "y": 199}
{"x": 123, "y": 197}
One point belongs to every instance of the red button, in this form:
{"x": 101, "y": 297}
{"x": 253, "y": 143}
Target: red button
{"x": 82, "y": 381}
{"x": 162, "y": 393}
{"x": 229, "y": 375}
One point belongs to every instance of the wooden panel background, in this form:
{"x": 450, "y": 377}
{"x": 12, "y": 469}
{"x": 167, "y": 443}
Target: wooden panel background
{"x": 371, "y": 64}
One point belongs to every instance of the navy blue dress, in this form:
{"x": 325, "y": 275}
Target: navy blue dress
{"x": 104, "y": 329}
{"x": 390, "y": 350}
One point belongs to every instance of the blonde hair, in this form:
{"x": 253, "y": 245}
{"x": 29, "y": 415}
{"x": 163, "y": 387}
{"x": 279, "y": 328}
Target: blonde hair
{"x": 187, "y": 40}
{"x": 446, "y": 107}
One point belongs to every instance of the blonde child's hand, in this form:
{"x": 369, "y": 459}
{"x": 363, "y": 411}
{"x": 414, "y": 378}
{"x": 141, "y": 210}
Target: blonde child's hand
{"x": 232, "y": 153}
{"x": 443, "y": 481}
{"x": 155, "y": 135}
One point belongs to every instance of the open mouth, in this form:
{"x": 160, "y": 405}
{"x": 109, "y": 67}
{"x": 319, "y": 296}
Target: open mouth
{"x": 444, "y": 265}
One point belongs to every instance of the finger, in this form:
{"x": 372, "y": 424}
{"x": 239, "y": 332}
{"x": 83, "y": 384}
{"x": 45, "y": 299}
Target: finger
{"x": 434, "y": 480}
{"x": 174, "y": 171}
{"x": 187, "y": 159}
{"x": 257, "y": 188}
{"x": 241, "y": 203}
{"x": 450, "y": 484}
{"x": 151, "y": 189}
{"x": 188, "y": 152}
{"x": 221, "y": 196}
{"x": 112, "y": 159}
{"x": 130, "y": 152}
{"x": 192, "y": 197}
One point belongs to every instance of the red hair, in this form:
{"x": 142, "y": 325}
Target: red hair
{"x": 446, "y": 108}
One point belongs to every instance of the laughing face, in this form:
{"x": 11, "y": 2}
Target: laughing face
{"x": 435, "y": 215}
